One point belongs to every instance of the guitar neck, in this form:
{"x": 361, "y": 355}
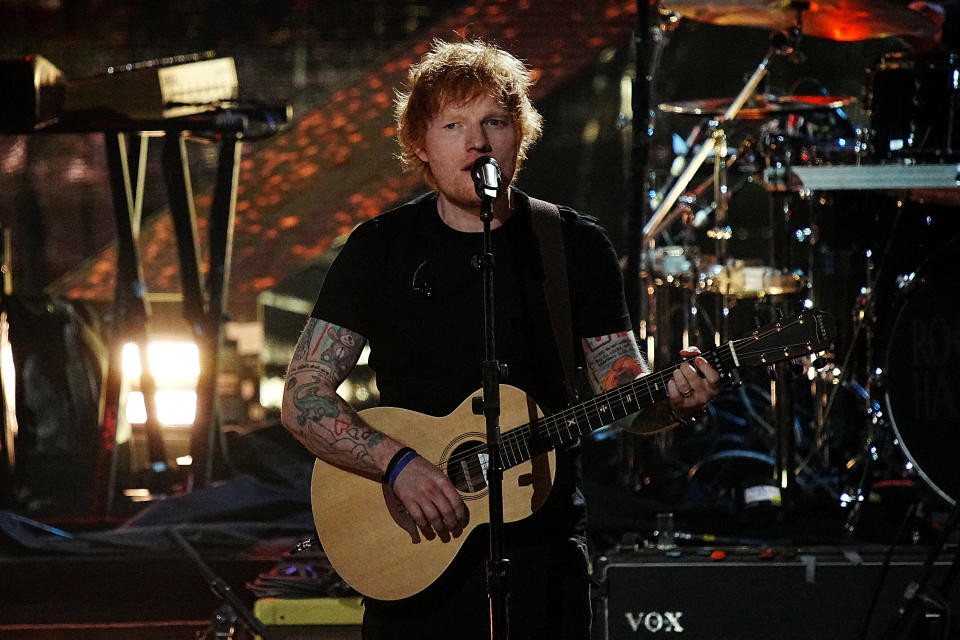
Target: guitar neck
{"x": 569, "y": 425}
{"x": 807, "y": 332}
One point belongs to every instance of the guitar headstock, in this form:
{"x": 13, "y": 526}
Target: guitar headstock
{"x": 810, "y": 331}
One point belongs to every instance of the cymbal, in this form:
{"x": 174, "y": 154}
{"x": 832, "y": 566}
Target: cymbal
{"x": 759, "y": 107}
{"x": 841, "y": 20}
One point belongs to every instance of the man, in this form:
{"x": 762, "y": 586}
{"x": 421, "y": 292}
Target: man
{"x": 404, "y": 282}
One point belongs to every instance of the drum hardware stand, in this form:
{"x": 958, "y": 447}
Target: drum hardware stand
{"x": 864, "y": 317}
{"x": 781, "y": 393}
{"x": 649, "y": 42}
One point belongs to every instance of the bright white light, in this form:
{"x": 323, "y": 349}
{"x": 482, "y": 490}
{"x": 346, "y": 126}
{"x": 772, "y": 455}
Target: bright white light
{"x": 271, "y": 392}
{"x": 172, "y": 363}
{"x": 175, "y": 407}
{"x": 175, "y": 367}
{"x": 8, "y": 371}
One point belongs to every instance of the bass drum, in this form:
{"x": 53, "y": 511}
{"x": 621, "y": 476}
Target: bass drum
{"x": 914, "y": 108}
{"x": 922, "y": 387}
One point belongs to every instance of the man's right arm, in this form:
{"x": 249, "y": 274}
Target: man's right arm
{"x": 318, "y": 417}
{"x": 327, "y": 426}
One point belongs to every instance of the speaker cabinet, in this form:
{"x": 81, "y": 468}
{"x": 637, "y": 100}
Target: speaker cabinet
{"x": 789, "y": 594}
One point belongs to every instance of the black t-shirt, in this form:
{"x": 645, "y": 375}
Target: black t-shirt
{"x": 405, "y": 281}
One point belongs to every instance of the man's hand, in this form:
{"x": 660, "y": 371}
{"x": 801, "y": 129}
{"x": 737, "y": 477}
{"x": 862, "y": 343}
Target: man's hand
{"x": 693, "y": 386}
{"x": 432, "y": 501}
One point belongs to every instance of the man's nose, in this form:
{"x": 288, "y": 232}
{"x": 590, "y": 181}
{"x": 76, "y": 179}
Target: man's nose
{"x": 478, "y": 140}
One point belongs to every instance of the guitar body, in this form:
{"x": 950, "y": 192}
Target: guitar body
{"x": 373, "y": 544}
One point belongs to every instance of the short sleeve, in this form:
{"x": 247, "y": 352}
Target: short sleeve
{"x": 599, "y": 305}
{"x": 348, "y": 294}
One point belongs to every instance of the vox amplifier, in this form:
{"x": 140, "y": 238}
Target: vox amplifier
{"x": 789, "y": 594}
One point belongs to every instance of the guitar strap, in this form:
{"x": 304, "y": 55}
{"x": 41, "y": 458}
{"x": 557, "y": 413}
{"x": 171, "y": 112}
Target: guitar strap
{"x": 545, "y": 219}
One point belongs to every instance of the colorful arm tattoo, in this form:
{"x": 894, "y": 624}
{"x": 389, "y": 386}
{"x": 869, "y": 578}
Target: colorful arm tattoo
{"x": 313, "y": 411}
{"x": 612, "y": 360}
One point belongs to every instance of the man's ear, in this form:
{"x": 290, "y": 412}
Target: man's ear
{"x": 422, "y": 154}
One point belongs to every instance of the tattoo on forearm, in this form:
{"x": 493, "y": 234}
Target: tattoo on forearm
{"x": 324, "y": 426}
{"x": 614, "y": 359}
{"x": 598, "y": 343}
{"x": 311, "y": 405}
{"x": 621, "y": 372}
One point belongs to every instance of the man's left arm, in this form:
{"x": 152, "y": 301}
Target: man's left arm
{"x": 613, "y": 360}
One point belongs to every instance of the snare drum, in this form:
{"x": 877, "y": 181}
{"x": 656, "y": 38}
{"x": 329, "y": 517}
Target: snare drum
{"x": 672, "y": 266}
{"x": 914, "y": 108}
{"x": 739, "y": 280}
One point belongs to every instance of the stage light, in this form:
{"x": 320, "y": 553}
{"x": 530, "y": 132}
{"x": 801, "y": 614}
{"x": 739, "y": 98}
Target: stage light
{"x": 8, "y": 376}
{"x": 171, "y": 363}
{"x": 175, "y": 407}
{"x": 175, "y": 367}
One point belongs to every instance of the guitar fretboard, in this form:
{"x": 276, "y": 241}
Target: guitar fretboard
{"x": 569, "y": 425}
{"x": 801, "y": 335}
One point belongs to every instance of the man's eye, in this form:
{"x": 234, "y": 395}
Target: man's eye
{"x": 496, "y": 122}
{"x": 451, "y": 125}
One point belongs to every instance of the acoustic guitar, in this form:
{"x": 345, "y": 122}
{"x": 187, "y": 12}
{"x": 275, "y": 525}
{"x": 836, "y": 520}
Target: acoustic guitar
{"x": 375, "y": 546}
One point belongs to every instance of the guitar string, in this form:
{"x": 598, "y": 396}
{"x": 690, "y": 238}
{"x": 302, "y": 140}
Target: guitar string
{"x": 595, "y": 408}
{"x": 625, "y": 395}
{"x": 548, "y": 425}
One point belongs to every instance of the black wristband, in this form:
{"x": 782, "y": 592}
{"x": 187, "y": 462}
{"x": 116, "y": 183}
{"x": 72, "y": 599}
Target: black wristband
{"x": 402, "y": 451}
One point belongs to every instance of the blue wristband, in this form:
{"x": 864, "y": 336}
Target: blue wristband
{"x": 398, "y": 467}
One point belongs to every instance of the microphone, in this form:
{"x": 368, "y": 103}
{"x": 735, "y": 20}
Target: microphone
{"x": 486, "y": 177}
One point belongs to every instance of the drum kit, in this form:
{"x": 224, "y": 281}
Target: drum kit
{"x": 897, "y": 349}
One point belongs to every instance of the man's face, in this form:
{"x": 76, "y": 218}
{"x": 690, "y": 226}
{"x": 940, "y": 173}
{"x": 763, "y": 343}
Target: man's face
{"x": 459, "y": 134}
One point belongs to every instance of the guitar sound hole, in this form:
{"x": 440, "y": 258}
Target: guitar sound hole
{"x": 467, "y": 467}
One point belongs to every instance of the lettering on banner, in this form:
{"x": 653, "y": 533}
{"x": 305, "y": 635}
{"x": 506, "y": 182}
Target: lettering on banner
{"x": 655, "y": 621}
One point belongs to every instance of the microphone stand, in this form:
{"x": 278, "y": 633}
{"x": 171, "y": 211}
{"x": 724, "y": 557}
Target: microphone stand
{"x": 498, "y": 565}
